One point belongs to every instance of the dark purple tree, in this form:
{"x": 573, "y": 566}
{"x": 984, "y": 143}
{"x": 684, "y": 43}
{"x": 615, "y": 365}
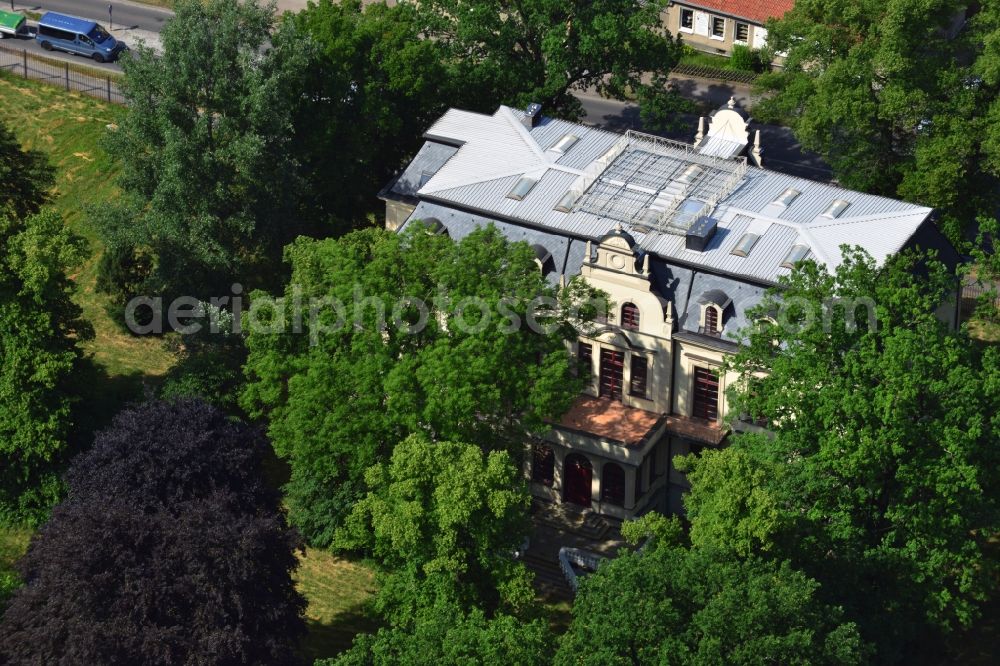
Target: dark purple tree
{"x": 169, "y": 549}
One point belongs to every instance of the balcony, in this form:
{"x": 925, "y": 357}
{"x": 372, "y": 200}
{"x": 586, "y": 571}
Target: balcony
{"x": 610, "y": 420}
{"x": 698, "y": 430}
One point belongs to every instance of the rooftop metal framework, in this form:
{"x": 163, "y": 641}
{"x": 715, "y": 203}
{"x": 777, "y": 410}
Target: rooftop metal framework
{"x": 655, "y": 183}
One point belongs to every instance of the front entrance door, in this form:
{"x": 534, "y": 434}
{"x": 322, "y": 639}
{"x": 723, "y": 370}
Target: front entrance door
{"x": 612, "y": 371}
{"x": 577, "y": 474}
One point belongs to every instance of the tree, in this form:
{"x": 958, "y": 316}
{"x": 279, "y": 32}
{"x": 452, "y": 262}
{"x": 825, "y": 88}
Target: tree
{"x": 168, "y": 549}
{"x": 443, "y": 519}
{"x": 543, "y": 50}
{"x": 669, "y": 603}
{"x": 380, "y": 335}
{"x": 39, "y": 328}
{"x": 880, "y": 480}
{"x": 444, "y": 635}
{"x": 894, "y": 100}
{"x": 25, "y": 177}
{"x": 211, "y": 187}
{"x": 372, "y": 88}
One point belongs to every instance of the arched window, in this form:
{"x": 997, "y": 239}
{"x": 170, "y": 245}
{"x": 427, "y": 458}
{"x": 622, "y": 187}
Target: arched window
{"x": 543, "y": 465}
{"x": 711, "y": 319}
{"x": 630, "y": 316}
{"x": 613, "y": 484}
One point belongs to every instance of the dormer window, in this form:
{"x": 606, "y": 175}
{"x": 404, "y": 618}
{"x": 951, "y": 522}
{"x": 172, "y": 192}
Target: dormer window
{"x": 746, "y": 244}
{"x": 690, "y": 174}
{"x": 567, "y": 202}
{"x": 630, "y": 316}
{"x": 795, "y": 255}
{"x": 521, "y": 188}
{"x": 787, "y": 197}
{"x": 836, "y": 208}
{"x": 565, "y": 143}
{"x": 712, "y": 317}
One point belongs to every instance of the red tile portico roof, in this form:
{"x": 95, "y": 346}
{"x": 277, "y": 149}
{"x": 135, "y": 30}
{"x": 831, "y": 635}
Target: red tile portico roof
{"x": 757, "y": 11}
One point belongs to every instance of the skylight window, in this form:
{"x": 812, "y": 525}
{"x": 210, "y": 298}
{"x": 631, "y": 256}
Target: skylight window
{"x": 795, "y": 255}
{"x": 565, "y": 204}
{"x": 836, "y": 208}
{"x": 565, "y": 143}
{"x": 787, "y": 197}
{"x": 521, "y": 188}
{"x": 746, "y": 244}
{"x": 690, "y": 174}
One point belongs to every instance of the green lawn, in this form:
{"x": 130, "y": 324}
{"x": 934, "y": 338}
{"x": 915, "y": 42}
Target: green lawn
{"x": 338, "y": 592}
{"x": 68, "y": 127}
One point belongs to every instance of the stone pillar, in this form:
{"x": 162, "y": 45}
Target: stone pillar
{"x": 597, "y": 469}
{"x": 630, "y": 480}
{"x": 557, "y": 472}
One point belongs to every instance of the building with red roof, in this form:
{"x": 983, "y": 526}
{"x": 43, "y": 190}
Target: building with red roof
{"x": 715, "y": 26}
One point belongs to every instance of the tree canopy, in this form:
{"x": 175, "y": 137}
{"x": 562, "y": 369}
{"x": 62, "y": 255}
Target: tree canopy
{"x": 339, "y": 398}
{"x": 445, "y": 635}
{"x": 211, "y": 188}
{"x": 168, "y": 550}
{"x": 523, "y": 51}
{"x": 895, "y": 98}
{"x": 39, "y": 328}
{"x": 670, "y": 603}
{"x": 880, "y": 479}
{"x": 443, "y": 519}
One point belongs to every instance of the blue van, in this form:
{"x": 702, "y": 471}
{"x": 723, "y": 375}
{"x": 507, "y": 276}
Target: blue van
{"x": 79, "y": 36}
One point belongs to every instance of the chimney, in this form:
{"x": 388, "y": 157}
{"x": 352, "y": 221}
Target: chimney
{"x": 532, "y": 115}
{"x": 700, "y": 233}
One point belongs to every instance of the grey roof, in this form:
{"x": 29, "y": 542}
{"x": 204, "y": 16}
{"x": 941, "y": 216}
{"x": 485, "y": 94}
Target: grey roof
{"x": 642, "y": 172}
{"x": 566, "y": 253}
{"x": 428, "y": 160}
{"x": 741, "y": 296}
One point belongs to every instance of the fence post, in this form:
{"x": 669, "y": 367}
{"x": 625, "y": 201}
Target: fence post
{"x": 24, "y": 52}
{"x": 67, "y": 76}
{"x": 108, "y": 79}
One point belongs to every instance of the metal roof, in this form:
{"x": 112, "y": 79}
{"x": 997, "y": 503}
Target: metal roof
{"x": 639, "y": 180}
{"x": 64, "y": 22}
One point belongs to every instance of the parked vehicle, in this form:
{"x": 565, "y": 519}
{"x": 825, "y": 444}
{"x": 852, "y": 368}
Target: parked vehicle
{"x": 12, "y": 25}
{"x": 79, "y": 36}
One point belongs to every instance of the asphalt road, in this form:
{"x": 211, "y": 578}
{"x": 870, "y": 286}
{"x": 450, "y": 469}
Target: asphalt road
{"x": 128, "y": 19}
{"x": 781, "y": 150}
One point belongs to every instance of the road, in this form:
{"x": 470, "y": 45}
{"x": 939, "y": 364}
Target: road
{"x": 781, "y": 151}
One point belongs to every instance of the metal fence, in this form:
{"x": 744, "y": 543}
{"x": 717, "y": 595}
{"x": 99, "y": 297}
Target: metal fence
{"x": 81, "y": 78}
{"x": 730, "y": 75}
{"x": 973, "y": 293}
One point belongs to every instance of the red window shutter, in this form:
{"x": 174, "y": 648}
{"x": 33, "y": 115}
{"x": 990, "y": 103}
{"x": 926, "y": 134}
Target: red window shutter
{"x": 630, "y": 316}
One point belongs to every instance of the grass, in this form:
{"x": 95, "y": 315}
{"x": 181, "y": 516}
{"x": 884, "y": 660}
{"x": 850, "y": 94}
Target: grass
{"x": 697, "y": 58}
{"x": 13, "y": 543}
{"x": 68, "y": 128}
{"x": 338, "y": 592}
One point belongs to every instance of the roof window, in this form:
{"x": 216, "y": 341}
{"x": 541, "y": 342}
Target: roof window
{"x": 690, "y": 174}
{"x": 787, "y": 197}
{"x": 795, "y": 255}
{"x": 836, "y": 208}
{"x": 746, "y": 243}
{"x": 565, "y": 143}
{"x": 565, "y": 204}
{"x": 521, "y": 188}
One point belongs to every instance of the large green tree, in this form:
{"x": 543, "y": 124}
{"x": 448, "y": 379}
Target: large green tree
{"x": 445, "y": 635}
{"x": 372, "y": 88}
{"x": 339, "y": 397}
{"x": 521, "y": 51}
{"x": 39, "y": 328}
{"x": 894, "y": 99}
{"x": 211, "y": 188}
{"x": 669, "y": 603}
{"x": 443, "y": 519}
{"x": 880, "y": 477}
